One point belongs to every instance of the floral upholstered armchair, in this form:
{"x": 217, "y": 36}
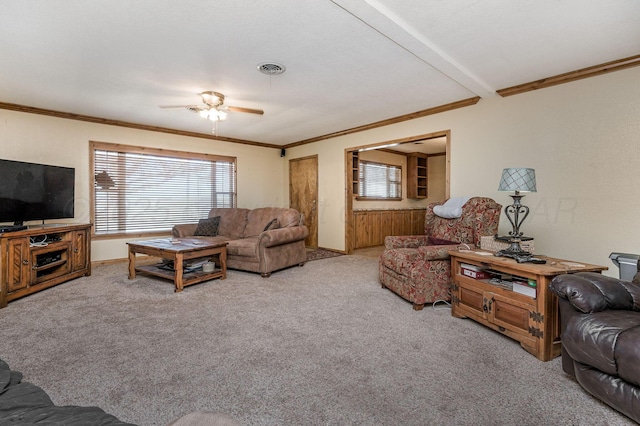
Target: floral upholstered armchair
{"x": 418, "y": 267}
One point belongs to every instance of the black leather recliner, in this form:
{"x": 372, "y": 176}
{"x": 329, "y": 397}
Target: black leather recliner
{"x": 600, "y": 320}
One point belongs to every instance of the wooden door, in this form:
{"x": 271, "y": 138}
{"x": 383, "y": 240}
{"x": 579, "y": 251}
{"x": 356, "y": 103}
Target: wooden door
{"x": 17, "y": 264}
{"x": 303, "y": 194}
{"x": 79, "y": 243}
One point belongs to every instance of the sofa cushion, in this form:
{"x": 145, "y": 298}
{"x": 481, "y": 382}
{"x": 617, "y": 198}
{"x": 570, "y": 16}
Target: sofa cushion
{"x": 207, "y": 227}
{"x": 232, "y": 221}
{"x": 245, "y": 247}
{"x": 259, "y": 218}
{"x": 272, "y": 225}
{"x": 606, "y": 340}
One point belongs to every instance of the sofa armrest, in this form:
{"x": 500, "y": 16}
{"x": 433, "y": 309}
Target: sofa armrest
{"x": 184, "y": 230}
{"x": 590, "y": 292}
{"x": 276, "y": 237}
{"x": 436, "y": 252}
{"x": 405, "y": 241}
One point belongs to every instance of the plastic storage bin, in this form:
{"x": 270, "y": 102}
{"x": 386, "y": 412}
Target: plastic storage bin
{"x": 628, "y": 264}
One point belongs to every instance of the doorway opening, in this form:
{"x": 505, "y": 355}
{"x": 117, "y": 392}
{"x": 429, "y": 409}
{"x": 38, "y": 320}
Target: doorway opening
{"x": 368, "y": 222}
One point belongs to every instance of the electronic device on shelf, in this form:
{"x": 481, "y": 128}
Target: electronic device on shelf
{"x": 47, "y": 259}
{"x": 12, "y": 228}
{"x": 33, "y": 191}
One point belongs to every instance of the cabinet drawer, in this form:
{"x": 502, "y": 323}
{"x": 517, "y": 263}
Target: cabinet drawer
{"x": 507, "y": 314}
{"x": 471, "y": 298}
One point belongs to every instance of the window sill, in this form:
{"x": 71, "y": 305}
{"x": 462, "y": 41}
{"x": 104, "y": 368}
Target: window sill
{"x": 377, "y": 199}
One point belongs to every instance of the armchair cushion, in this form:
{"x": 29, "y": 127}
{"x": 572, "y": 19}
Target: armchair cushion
{"x": 436, "y": 252}
{"x": 405, "y": 241}
{"x": 433, "y": 241}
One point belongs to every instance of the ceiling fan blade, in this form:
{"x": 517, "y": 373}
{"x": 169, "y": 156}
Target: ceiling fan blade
{"x": 177, "y": 106}
{"x": 249, "y": 110}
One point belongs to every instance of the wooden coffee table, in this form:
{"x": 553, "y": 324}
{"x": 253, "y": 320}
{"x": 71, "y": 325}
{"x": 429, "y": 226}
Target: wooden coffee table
{"x": 178, "y": 250}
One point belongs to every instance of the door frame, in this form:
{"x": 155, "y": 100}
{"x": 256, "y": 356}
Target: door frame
{"x": 349, "y": 230}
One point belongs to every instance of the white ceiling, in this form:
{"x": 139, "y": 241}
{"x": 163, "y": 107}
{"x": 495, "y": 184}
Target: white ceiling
{"x": 348, "y": 62}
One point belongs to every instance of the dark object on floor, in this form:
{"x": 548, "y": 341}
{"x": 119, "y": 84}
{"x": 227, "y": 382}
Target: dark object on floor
{"x": 25, "y": 403}
{"x": 600, "y": 319}
{"x": 321, "y": 253}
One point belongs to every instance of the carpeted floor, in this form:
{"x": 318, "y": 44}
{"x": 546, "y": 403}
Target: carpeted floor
{"x": 321, "y": 344}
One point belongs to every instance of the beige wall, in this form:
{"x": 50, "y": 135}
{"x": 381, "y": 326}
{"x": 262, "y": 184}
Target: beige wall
{"x": 42, "y": 139}
{"x": 582, "y": 138}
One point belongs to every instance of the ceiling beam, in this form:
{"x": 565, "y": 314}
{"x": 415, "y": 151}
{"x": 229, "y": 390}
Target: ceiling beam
{"x": 381, "y": 19}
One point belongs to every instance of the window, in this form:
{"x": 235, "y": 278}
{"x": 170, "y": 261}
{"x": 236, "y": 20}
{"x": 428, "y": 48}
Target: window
{"x": 379, "y": 181}
{"x": 142, "y": 190}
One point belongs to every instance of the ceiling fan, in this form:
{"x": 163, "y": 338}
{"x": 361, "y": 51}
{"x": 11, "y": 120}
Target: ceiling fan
{"x": 213, "y": 107}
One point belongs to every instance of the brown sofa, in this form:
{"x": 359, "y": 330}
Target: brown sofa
{"x": 251, "y": 247}
{"x": 600, "y": 320}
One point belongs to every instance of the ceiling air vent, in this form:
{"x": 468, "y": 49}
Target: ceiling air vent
{"x": 271, "y": 68}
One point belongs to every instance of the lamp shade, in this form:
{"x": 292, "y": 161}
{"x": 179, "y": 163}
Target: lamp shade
{"x": 518, "y": 179}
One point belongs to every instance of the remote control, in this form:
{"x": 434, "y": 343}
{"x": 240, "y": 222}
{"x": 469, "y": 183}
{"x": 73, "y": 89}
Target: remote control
{"x": 529, "y": 259}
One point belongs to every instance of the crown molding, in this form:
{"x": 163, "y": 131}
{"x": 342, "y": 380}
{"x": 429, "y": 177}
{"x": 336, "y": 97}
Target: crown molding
{"x": 568, "y": 77}
{"x": 119, "y": 123}
{"x": 389, "y": 121}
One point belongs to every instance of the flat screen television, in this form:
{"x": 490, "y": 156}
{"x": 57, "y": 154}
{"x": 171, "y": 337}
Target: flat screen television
{"x": 30, "y": 191}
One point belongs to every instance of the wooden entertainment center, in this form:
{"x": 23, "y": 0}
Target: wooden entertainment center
{"x": 42, "y": 256}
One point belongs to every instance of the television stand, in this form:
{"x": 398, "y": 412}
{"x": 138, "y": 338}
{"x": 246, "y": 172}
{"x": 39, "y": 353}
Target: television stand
{"x": 42, "y": 256}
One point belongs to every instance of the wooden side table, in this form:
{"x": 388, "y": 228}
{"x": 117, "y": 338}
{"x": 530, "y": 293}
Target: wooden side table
{"x": 532, "y": 321}
{"x": 179, "y": 250}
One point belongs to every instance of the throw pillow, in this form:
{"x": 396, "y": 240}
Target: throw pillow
{"x": 433, "y": 241}
{"x": 208, "y": 227}
{"x": 272, "y": 225}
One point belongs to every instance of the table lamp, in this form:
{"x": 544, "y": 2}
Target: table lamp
{"x": 518, "y": 180}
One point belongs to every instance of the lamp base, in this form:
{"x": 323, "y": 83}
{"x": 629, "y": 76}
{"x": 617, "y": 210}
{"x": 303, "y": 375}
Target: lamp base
{"x": 514, "y": 254}
{"x": 514, "y": 251}
{"x": 521, "y": 256}
{"x": 508, "y": 238}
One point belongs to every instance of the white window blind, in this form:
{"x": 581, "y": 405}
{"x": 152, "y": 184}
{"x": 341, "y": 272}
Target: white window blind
{"x": 138, "y": 192}
{"x": 378, "y": 180}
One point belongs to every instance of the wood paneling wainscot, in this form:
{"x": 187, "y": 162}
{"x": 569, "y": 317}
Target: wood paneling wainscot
{"x": 371, "y": 226}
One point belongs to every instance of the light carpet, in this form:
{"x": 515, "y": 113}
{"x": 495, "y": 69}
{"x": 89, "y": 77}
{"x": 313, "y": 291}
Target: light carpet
{"x": 321, "y": 344}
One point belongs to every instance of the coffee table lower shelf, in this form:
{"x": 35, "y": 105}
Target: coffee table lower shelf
{"x": 188, "y": 278}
